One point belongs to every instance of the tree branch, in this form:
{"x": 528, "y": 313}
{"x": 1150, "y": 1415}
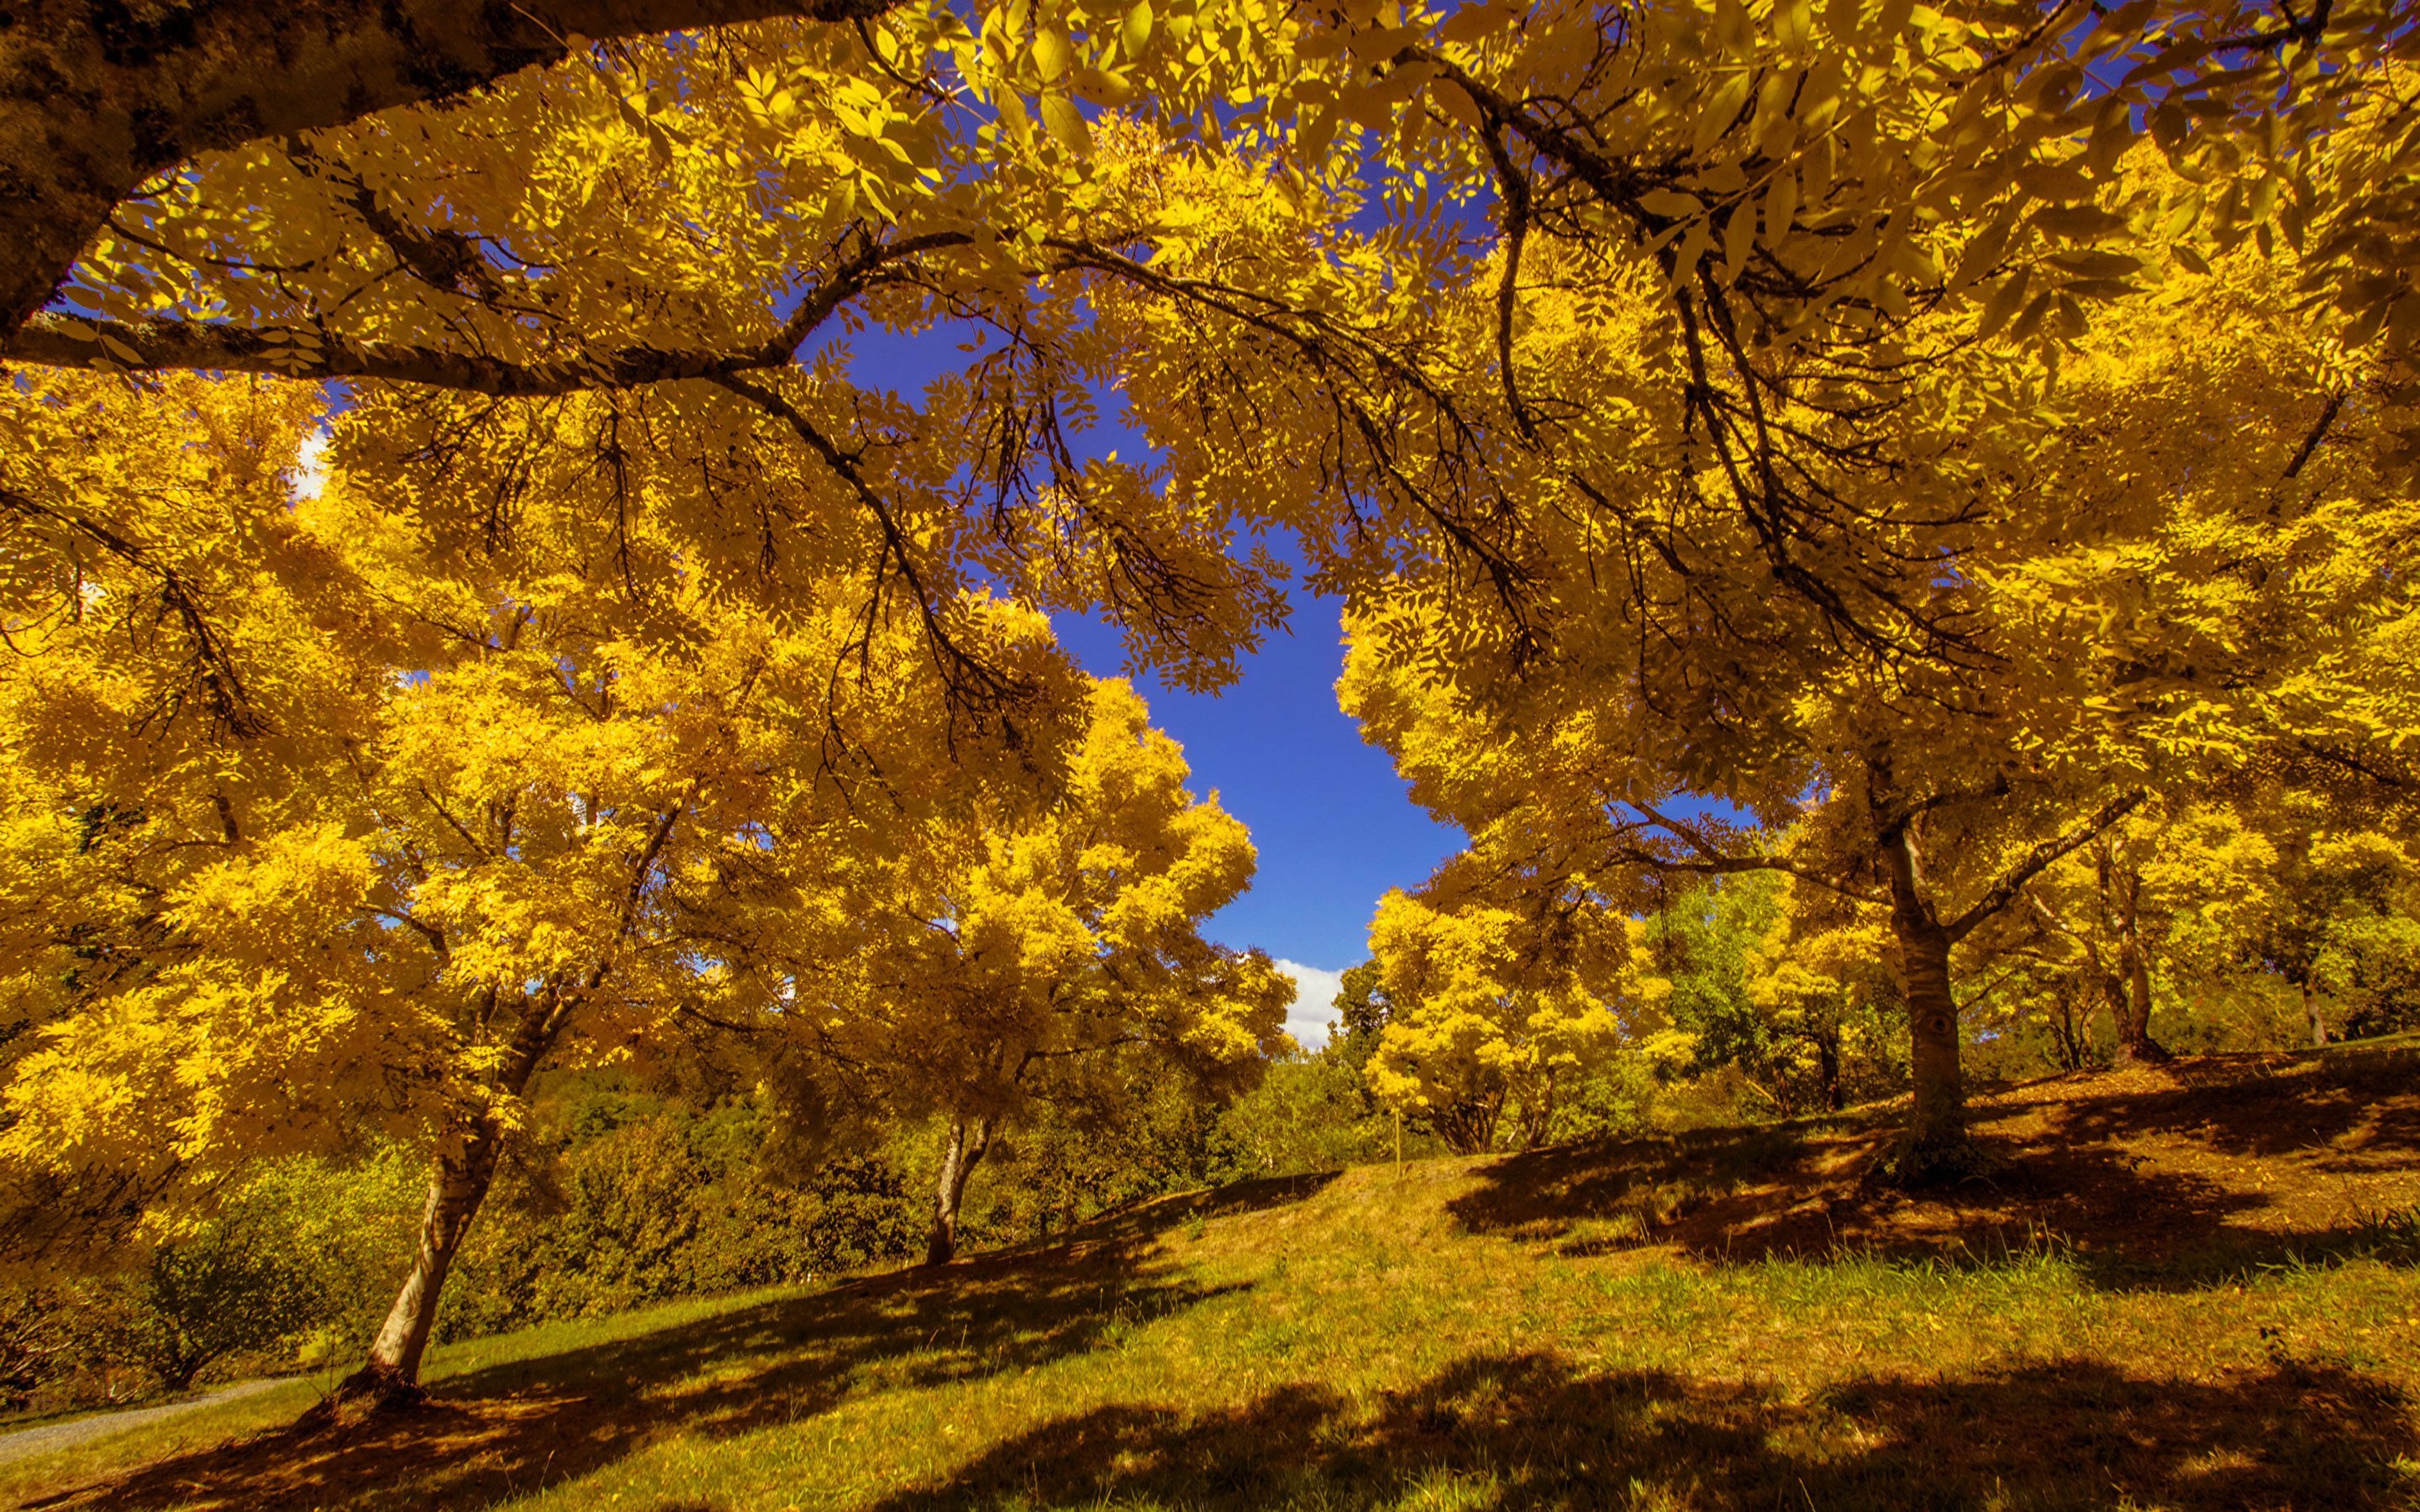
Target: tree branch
{"x": 2004, "y": 890}
{"x": 1715, "y": 862}
{"x": 62, "y": 341}
{"x": 97, "y": 96}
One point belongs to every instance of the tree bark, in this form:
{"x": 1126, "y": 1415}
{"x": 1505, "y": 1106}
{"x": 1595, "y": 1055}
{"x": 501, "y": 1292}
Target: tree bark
{"x": 1935, "y": 1145}
{"x": 1469, "y": 1127}
{"x": 968, "y": 1140}
{"x": 391, "y": 1377}
{"x": 97, "y": 95}
{"x": 2317, "y": 1020}
{"x": 2136, "y": 1046}
{"x": 1827, "y": 1065}
{"x": 2134, "y": 1043}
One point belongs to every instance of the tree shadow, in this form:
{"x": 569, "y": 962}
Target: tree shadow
{"x": 2350, "y": 1111}
{"x": 515, "y": 1428}
{"x": 2165, "y": 1179}
{"x": 1139, "y": 1222}
{"x": 1529, "y": 1430}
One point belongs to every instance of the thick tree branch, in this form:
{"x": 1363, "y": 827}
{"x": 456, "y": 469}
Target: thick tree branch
{"x": 97, "y": 96}
{"x": 1713, "y": 861}
{"x": 60, "y": 341}
{"x": 2319, "y": 433}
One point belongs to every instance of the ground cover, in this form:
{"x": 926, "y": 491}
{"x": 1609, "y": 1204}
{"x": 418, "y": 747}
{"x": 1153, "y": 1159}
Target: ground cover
{"x": 2189, "y": 1288}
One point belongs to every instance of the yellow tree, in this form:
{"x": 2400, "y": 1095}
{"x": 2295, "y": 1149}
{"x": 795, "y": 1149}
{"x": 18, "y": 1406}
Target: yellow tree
{"x": 1822, "y": 975}
{"x": 598, "y": 303}
{"x": 2154, "y": 575}
{"x": 1495, "y": 1011}
{"x": 1005, "y": 943}
{"x": 2105, "y": 913}
{"x": 2298, "y": 886}
{"x": 465, "y": 840}
{"x": 1803, "y": 187}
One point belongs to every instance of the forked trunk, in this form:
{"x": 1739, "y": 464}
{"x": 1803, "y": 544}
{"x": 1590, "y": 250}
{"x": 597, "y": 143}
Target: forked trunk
{"x": 458, "y": 1186}
{"x": 2317, "y": 1020}
{"x": 968, "y": 1141}
{"x": 1468, "y": 1126}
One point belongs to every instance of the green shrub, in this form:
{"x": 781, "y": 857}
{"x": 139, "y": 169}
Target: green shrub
{"x": 627, "y": 1198}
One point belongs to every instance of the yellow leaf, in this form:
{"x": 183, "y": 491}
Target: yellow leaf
{"x": 1051, "y": 53}
{"x": 1065, "y": 122}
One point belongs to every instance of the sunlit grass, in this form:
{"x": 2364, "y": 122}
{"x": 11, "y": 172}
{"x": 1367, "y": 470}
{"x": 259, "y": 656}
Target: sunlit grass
{"x": 1368, "y": 1343}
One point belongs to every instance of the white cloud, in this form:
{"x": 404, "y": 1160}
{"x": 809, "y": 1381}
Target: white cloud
{"x": 1314, "y": 1014}
{"x": 311, "y": 468}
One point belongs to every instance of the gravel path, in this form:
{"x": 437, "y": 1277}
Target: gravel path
{"x": 52, "y": 1435}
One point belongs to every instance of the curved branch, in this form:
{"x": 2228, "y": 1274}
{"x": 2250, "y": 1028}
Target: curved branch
{"x": 96, "y": 96}
{"x": 2004, "y": 890}
{"x": 63, "y": 341}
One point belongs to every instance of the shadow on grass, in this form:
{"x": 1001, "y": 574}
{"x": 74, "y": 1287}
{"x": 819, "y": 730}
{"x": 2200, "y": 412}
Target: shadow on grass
{"x": 1530, "y": 1431}
{"x": 513, "y": 1428}
{"x": 1139, "y": 1222}
{"x": 2267, "y": 1108}
{"x": 2177, "y": 1182}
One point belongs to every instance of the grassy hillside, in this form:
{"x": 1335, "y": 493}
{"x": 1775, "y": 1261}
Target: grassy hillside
{"x": 2190, "y": 1289}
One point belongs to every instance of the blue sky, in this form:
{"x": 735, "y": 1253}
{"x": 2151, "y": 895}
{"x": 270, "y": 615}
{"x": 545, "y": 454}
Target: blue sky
{"x": 1327, "y": 814}
{"x": 1329, "y": 817}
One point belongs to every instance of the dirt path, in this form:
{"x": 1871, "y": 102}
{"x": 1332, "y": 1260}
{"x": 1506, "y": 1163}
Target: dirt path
{"x": 52, "y": 1435}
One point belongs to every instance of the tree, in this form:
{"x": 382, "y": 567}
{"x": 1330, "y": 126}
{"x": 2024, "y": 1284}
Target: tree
{"x": 2278, "y": 885}
{"x": 1802, "y": 190}
{"x": 1040, "y": 941}
{"x": 2116, "y": 560}
{"x": 1839, "y": 422}
{"x": 95, "y": 101}
{"x": 232, "y": 1283}
{"x": 1493, "y": 1013}
{"x": 1822, "y": 977}
{"x": 1785, "y": 983}
{"x": 2112, "y": 919}
{"x": 468, "y": 837}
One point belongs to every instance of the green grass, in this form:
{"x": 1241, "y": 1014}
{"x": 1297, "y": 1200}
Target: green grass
{"x": 1466, "y": 1334}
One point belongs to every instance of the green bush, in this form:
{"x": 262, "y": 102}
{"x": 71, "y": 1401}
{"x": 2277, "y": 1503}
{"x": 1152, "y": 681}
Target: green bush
{"x": 625, "y": 1199}
{"x": 295, "y": 1265}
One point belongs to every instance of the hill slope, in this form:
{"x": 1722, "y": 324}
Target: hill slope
{"x": 2190, "y": 1289}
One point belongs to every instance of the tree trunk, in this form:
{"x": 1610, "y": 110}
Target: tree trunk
{"x": 2317, "y": 1020}
{"x": 960, "y": 1157}
{"x": 392, "y": 1374}
{"x": 1827, "y": 1065}
{"x": 2071, "y": 1042}
{"x": 1935, "y": 1145}
{"x": 1938, "y": 1122}
{"x": 2136, "y": 1046}
{"x": 97, "y": 95}
{"x": 2134, "y": 1043}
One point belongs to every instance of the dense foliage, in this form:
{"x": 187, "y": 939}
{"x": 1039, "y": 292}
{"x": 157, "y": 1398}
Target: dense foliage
{"x": 1888, "y": 527}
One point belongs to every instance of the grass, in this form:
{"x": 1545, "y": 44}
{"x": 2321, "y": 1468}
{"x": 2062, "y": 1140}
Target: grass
{"x": 1727, "y": 1319}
